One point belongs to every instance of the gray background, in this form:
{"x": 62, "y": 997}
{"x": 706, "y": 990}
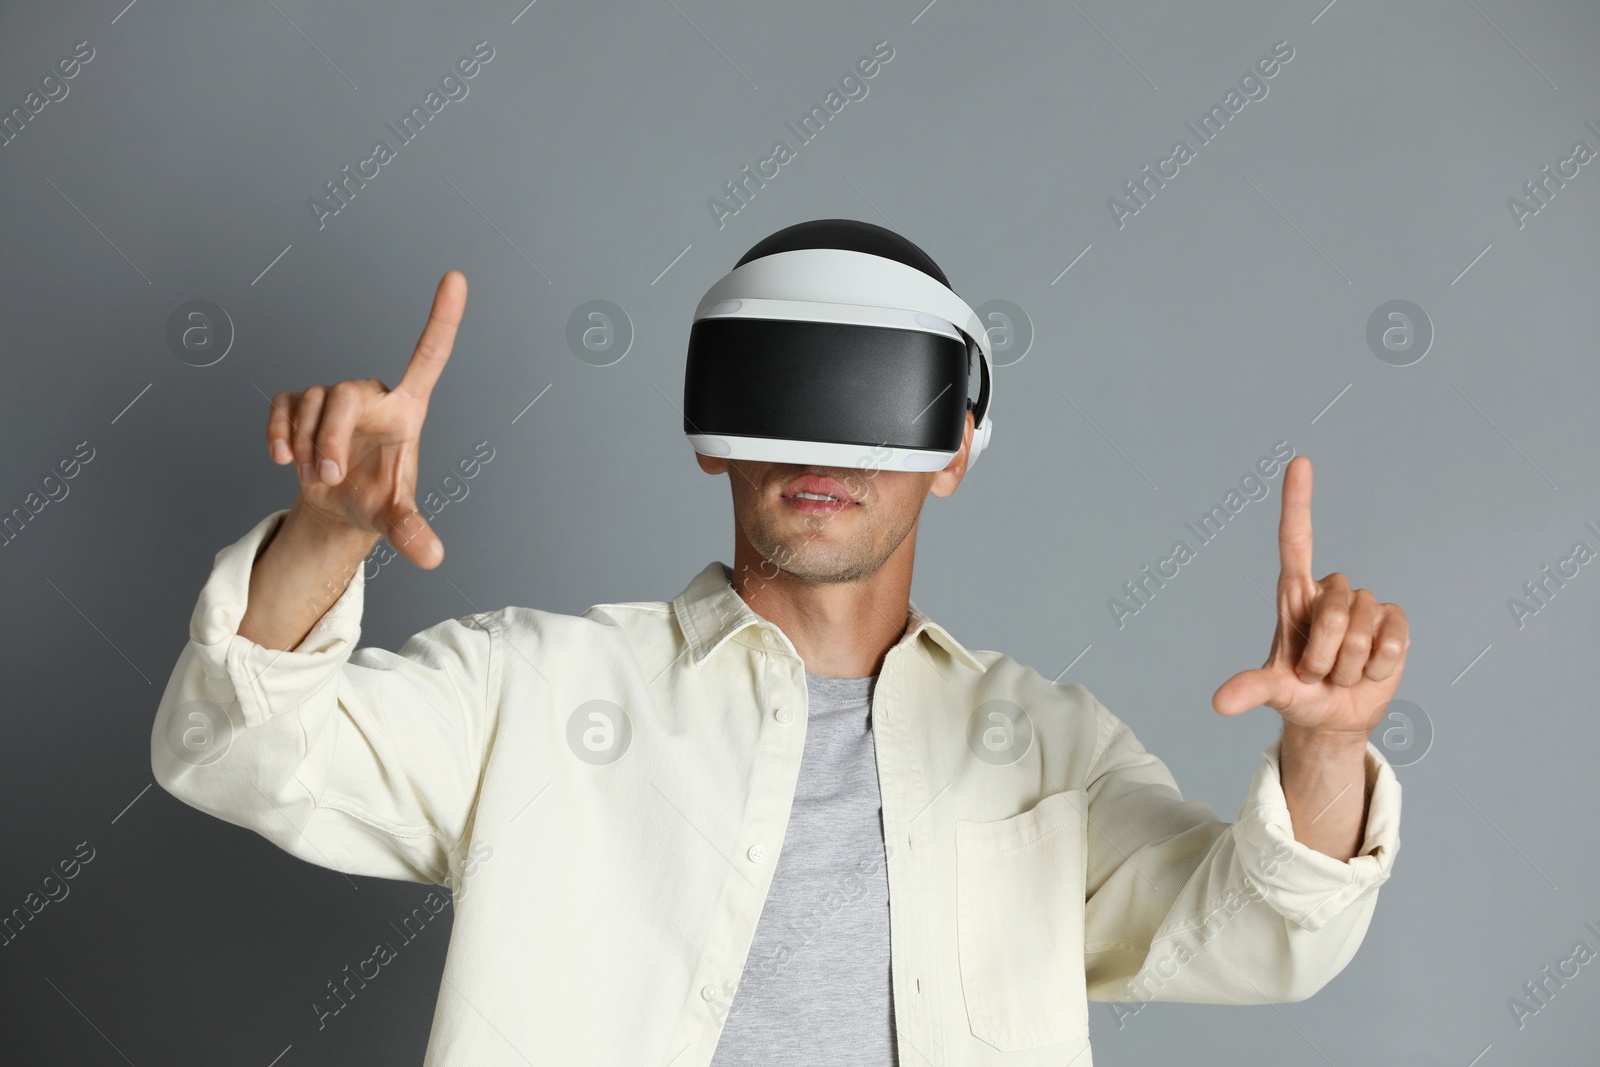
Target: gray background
{"x": 1229, "y": 314}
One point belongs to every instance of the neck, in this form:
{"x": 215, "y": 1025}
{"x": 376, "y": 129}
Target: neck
{"x": 841, "y": 629}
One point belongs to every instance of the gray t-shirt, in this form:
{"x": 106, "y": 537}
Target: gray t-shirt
{"x": 815, "y": 988}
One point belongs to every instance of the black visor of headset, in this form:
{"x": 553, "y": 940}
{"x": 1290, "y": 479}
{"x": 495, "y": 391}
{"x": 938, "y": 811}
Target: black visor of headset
{"x": 835, "y": 358}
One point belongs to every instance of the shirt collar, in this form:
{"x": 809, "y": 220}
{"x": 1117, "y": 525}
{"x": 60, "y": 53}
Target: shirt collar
{"x": 710, "y": 612}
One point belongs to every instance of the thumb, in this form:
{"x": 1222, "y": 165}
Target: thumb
{"x": 1250, "y": 689}
{"x": 411, "y": 535}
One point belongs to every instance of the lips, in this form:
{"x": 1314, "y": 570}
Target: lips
{"x": 820, "y": 485}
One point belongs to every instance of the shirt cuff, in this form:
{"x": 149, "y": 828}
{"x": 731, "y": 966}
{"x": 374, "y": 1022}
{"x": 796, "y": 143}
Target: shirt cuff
{"x": 1303, "y": 885}
{"x": 266, "y": 681}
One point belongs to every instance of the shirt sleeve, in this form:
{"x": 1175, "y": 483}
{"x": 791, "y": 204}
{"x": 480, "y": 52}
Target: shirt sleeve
{"x": 1183, "y": 907}
{"x": 360, "y": 760}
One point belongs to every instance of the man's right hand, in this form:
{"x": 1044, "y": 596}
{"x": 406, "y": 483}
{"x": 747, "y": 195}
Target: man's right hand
{"x": 355, "y": 443}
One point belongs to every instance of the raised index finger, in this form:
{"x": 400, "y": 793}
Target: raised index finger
{"x": 1294, "y": 527}
{"x": 438, "y": 336}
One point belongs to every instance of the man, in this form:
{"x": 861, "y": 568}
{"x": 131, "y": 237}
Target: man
{"x": 784, "y": 817}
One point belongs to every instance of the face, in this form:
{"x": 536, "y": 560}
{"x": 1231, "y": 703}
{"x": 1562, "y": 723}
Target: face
{"x": 818, "y": 542}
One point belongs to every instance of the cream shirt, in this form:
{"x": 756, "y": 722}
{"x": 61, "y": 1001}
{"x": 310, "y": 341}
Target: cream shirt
{"x": 607, "y": 795}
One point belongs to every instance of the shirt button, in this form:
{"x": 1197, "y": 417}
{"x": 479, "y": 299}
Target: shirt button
{"x": 710, "y": 992}
{"x": 757, "y": 853}
{"x": 782, "y": 714}
{"x": 766, "y": 636}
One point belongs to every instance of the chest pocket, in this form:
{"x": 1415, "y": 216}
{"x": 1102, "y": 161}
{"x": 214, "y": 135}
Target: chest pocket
{"x": 1019, "y": 924}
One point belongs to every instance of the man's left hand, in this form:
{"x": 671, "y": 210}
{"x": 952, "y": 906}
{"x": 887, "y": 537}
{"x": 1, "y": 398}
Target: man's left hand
{"x": 1337, "y": 653}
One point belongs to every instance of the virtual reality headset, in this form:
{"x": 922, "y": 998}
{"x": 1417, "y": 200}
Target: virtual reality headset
{"x": 838, "y": 358}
